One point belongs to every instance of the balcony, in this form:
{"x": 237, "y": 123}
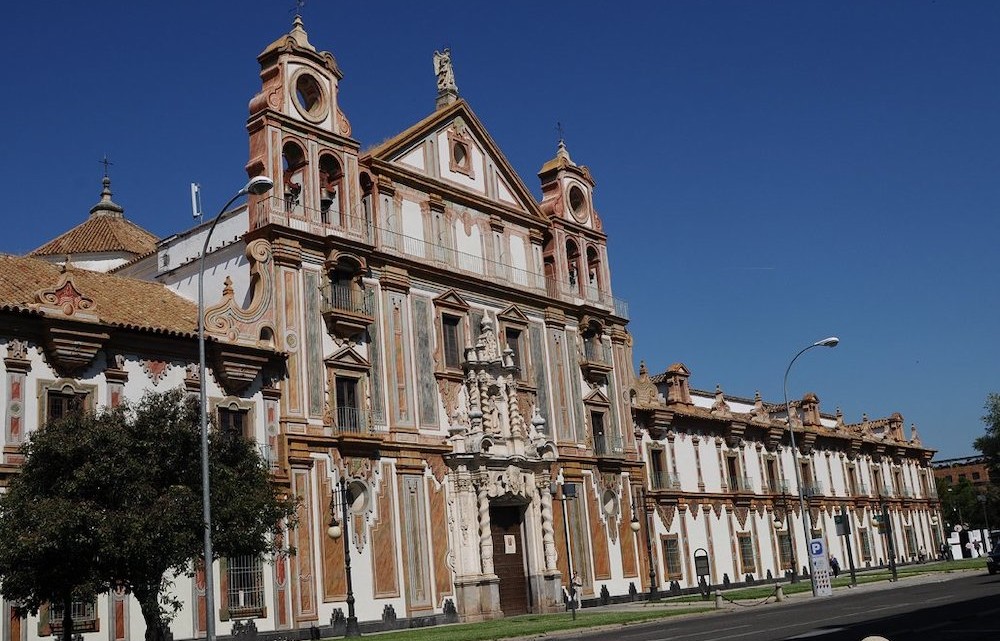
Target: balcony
{"x": 347, "y": 308}
{"x": 596, "y": 361}
{"x": 908, "y": 493}
{"x": 277, "y": 211}
{"x": 861, "y": 489}
{"x": 742, "y": 484}
{"x": 812, "y": 489}
{"x": 581, "y": 294}
{"x": 608, "y": 445}
{"x": 661, "y": 480}
{"x": 269, "y": 456}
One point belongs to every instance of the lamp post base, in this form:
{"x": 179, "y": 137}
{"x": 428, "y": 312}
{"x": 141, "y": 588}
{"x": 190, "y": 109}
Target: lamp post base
{"x": 352, "y": 630}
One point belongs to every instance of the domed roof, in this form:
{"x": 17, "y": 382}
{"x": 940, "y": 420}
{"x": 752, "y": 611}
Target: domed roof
{"x": 104, "y": 231}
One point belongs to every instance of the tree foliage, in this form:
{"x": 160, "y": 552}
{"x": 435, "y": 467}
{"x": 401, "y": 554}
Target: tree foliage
{"x": 989, "y": 443}
{"x": 113, "y": 500}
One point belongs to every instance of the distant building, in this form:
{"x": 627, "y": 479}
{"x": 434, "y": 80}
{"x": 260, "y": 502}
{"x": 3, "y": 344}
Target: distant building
{"x": 971, "y": 468}
{"x": 721, "y": 476}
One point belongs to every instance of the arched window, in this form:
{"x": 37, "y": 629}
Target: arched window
{"x": 293, "y": 163}
{"x": 331, "y": 179}
{"x": 572, "y": 263}
{"x": 593, "y": 270}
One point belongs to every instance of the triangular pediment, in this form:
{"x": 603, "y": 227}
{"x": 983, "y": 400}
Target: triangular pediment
{"x": 348, "y": 358}
{"x": 513, "y": 315}
{"x": 451, "y": 299}
{"x": 428, "y": 149}
{"x": 597, "y": 398}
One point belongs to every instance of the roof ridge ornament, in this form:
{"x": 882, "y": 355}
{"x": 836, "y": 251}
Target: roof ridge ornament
{"x": 106, "y": 206}
{"x": 447, "y": 89}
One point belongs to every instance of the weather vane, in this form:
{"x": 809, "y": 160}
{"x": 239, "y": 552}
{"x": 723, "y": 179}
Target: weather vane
{"x": 559, "y": 128}
{"x": 298, "y": 8}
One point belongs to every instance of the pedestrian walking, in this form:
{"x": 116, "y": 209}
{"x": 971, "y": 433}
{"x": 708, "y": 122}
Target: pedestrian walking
{"x": 835, "y": 566}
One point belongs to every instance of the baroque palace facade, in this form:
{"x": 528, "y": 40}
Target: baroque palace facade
{"x": 408, "y": 322}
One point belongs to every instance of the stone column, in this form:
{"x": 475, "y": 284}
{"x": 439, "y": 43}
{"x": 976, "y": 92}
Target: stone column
{"x": 548, "y": 532}
{"x": 485, "y": 534}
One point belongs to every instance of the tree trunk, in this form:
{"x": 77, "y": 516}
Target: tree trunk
{"x": 67, "y": 627}
{"x": 148, "y": 599}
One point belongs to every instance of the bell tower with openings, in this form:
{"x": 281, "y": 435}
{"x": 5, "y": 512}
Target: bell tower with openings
{"x": 300, "y": 138}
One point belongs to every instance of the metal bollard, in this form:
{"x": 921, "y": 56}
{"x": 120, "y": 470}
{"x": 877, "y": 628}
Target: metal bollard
{"x": 779, "y": 593}
{"x": 718, "y": 599}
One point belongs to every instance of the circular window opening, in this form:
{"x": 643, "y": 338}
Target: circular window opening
{"x": 357, "y": 497}
{"x": 461, "y": 154}
{"x": 577, "y": 201}
{"x": 309, "y": 94}
{"x": 609, "y": 503}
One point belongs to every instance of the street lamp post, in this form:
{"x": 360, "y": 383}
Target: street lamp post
{"x": 257, "y": 185}
{"x": 654, "y": 594}
{"x": 568, "y": 494}
{"x": 336, "y": 531}
{"x": 791, "y": 542}
{"x": 832, "y": 341}
{"x": 984, "y": 499}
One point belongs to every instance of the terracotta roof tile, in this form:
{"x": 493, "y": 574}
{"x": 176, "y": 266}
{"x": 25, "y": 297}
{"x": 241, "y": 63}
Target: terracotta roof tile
{"x": 100, "y": 234}
{"x": 117, "y": 300}
{"x": 105, "y": 230}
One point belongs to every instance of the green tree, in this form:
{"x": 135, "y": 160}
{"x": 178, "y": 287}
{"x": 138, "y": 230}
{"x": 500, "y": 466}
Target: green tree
{"x": 48, "y": 551}
{"x": 132, "y": 477}
{"x": 989, "y": 443}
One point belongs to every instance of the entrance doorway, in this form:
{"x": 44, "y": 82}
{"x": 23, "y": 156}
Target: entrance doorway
{"x": 508, "y": 557}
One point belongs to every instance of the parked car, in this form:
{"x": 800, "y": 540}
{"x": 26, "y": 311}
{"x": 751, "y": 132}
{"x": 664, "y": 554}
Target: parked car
{"x": 993, "y": 561}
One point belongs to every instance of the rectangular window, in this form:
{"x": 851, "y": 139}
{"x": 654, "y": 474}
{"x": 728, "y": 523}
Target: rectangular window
{"x": 748, "y": 562}
{"x": 234, "y": 421}
{"x": 807, "y": 478}
{"x": 658, "y": 467}
{"x": 785, "y": 550}
{"x": 672, "y": 557}
{"x": 513, "y": 337}
{"x": 911, "y": 541}
{"x": 451, "y": 329}
{"x": 772, "y": 475}
{"x": 349, "y": 415}
{"x": 600, "y": 440}
{"x": 866, "y": 545}
{"x": 60, "y": 404}
{"x": 733, "y": 473}
{"x": 245, "y": 586}
{"x": 852, "y": 481}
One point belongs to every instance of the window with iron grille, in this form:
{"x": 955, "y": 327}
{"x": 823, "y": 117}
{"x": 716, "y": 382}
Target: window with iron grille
{"x": 866, "y": 545}
{"x": 60, "y": 404}
{"x": 748, "y": 560}
{"x": 245, "y": 586}
{"x": 911, "y": 541}
{"x": 350, "y": 417}
{"x": 83, "y": 613}
{"x": 672, "y": 557}
{"x": 785, "y": 550}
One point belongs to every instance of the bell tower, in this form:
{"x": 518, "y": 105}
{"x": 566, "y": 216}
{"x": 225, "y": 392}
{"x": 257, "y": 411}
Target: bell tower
{"x": 575, "y": 253}
{"x": 301, "y": 139}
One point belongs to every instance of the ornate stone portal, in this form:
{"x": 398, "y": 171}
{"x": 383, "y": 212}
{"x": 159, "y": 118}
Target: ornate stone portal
{"x": 498, "y": 460}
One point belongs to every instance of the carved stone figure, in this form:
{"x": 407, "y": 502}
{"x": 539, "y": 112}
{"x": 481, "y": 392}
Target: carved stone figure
{"x": 445, "y": 74}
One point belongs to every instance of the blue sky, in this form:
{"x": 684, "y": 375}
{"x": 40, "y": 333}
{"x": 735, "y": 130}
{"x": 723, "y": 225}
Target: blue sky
{"x": 768, "y": 173}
